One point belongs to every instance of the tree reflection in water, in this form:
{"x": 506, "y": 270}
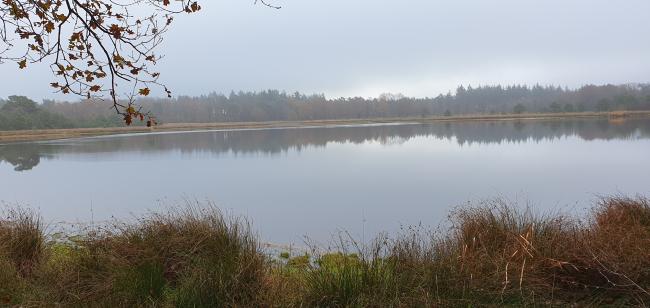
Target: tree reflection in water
{"x": 25, "y": 156}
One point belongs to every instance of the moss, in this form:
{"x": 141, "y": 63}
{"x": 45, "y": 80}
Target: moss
{"x": 299, "y": 262}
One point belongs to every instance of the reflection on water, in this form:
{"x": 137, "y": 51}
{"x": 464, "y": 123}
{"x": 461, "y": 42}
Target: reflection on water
{"x": 25, "y": 156}
{"x": 22, "y": 156}
{"x": 315, "y": 181}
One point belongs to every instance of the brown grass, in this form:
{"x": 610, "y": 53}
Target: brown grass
{"x": 493, "y": 253}
{"x": 21, "y": 239}
{"x": 190, "y": 257}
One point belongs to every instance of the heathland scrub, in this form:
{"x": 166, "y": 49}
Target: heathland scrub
{"x": 493, "y": 253}
{"x": 52, "y": 134}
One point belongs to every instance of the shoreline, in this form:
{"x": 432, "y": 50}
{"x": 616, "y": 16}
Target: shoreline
{"x": 57, "y": 134}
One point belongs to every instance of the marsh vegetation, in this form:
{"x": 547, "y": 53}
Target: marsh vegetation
{"x": 490, "y": 253}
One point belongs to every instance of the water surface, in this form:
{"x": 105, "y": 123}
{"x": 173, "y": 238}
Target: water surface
{"x": 315, "y": 181}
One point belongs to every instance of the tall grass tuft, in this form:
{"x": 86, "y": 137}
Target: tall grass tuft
{"x": 492, "y": 253}
{"x": 21, "y": 250}
{"x": 189, "y": 257}
{"x": 21, "y": 239}
{"x": 615, "y": 251}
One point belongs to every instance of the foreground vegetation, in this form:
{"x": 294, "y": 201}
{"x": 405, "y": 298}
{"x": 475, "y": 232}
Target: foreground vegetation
{"x": 492, "y": 254}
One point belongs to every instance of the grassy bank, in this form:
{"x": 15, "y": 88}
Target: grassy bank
{"x": 52, "y": 134}
{"x": 492, "y": 254}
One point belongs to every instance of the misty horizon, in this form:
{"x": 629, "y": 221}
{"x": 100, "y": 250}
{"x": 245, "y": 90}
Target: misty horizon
{"x": 381, "y": 96}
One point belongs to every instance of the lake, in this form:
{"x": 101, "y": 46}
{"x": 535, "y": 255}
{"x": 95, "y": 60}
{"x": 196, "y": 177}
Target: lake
{"x": 317, "y": 181}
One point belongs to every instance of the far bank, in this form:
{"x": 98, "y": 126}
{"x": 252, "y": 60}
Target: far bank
{"x": 54, "y": 134}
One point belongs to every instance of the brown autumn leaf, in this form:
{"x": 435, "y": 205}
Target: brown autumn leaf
{"x": 144, "y": 91}
{"x": 49, "y": 27}
{"x": 116, "y": 31}
{"x": 22, "y": 64}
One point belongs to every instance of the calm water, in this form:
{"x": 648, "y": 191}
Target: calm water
{"x": 316, "y": 181}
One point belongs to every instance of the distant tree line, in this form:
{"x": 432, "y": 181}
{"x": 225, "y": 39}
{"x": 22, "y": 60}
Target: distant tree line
{"x": 274, "y": 105}
{"x": 19, "y": 112}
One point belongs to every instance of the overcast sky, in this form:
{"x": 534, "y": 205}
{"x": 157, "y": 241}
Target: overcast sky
{"x": 415, "y": 47}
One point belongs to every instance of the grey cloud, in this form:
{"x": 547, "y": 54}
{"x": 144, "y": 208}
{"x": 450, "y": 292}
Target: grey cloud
{"x": 420, "y": 48}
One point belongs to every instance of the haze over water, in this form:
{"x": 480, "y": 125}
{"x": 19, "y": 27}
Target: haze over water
{"x": 316, "y": 181}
